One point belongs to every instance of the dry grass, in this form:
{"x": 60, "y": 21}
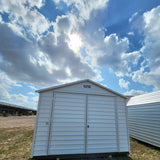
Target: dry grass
{"x": 143, "y": 151}
{"x": 15, "y": 144}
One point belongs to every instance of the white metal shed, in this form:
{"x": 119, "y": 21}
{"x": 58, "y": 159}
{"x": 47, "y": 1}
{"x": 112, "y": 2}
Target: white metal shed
{"x": 144, "y": 118}
{"x": 80, "y": 118}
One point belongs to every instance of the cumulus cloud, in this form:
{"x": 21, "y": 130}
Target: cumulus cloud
{"x": 30, "y": 53}
{"x": 111, "y": 51}
{"x": 151, "y": 47}
{"x": 134, "y": 92}
{"x": 131, "y": 33}
{"x": 123, "y": 83}
{"x": 37, "y": 3}
{"x": 23, "y": 16}
{"x": 150, "y": 50}
{"x": 43, "y": 63}
{"x": 8, "y": 84}
{"x": 66, "y": 63}
{"x": 133, "y": 16}
{"x": 85, "y": 8}
{"x": 15, "y": 52}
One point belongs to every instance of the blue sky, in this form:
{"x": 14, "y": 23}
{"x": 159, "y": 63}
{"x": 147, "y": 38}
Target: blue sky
{"x": 46, "y": 43}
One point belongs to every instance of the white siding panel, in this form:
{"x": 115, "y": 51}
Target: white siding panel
{"x": 122, "y": 125}
{"x": 42, "y": 126}
{"x": 67, "y": 134}
{"x": 101, "y": 134}
{"x": 144, "y": 120}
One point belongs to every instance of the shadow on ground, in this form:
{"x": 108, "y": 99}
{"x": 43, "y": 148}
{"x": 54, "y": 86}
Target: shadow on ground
{"x": 108, "y": 157}
{"x": 147, "y": 145}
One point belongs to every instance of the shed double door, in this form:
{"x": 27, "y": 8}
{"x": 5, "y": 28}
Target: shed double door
{"x": 82, "y": 124}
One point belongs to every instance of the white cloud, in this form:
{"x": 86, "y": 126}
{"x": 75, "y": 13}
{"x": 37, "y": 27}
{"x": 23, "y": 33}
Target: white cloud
{"x": 62, "y": 25}
{"x": 85, "y": 8}
{"x": 134, "y": 92}
{"x": 37, "y": 3}
{"x": 6, "y": 84}
{"x": 31, "y": 93}
{"x": 133, "y": 17}
{"x": 33, "y": 87}
{"x": 25, "y": 17}
{"x": 148, "y": 78}
{"x": 42, "y": 62}
{"x": 29, "y": 55}
{"x": 0, "y": 19}
{"x": 111, "y": 51}
{"x": 123, "y": 83}
{"x": 63, "y": 57}
{"x": 131, "y": 33}
{"x": 150, "y": 50}
{"x": 151, "y": 30}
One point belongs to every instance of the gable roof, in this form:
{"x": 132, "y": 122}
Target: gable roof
{"x": 77, "y": 82}
{"x": 152, "y": 97}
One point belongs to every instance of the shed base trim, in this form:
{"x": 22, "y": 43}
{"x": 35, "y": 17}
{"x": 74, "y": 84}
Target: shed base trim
{"x": 71, "y": 156}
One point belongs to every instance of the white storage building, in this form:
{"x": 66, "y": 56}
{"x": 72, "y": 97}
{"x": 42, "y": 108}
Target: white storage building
{"x": 144, "y": 118}
{"x": 82, "y": 117}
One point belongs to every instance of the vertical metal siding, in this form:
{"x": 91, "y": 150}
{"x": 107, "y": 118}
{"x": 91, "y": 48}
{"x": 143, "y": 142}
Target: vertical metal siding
{"x": 144, "y": 122}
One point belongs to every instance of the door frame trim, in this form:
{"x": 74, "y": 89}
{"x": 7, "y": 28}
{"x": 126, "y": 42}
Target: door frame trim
{"x": 116, "y": 124}
{"x": 50, "y": 123}
{"x": 86, "y": 123}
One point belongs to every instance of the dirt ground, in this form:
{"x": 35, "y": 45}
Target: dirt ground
{"x": 17, "y": 121}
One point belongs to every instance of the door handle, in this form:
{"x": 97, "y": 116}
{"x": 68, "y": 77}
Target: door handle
{"x": 87, "y": 126}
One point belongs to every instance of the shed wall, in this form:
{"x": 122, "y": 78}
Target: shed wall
{"x": 41, "y": 132}
{"x": 43, "y": 145}
{"x": 144, "y": 122}
{"x": 122, "y": 125}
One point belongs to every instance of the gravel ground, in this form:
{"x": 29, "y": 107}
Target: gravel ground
{"x": 17, "y": 121}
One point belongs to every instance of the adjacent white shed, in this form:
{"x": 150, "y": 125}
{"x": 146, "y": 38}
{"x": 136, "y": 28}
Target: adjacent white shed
{"x": 144, "y": 118}
{"x": 80, "y": 118}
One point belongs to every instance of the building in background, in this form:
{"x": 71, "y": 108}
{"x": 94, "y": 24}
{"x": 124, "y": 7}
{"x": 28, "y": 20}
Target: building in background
{"x": 7, "y": 109}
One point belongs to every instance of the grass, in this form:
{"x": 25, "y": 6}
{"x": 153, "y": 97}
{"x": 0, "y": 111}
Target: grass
{"x": 15, "y": 144}
{"x": 143, "y": 151}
